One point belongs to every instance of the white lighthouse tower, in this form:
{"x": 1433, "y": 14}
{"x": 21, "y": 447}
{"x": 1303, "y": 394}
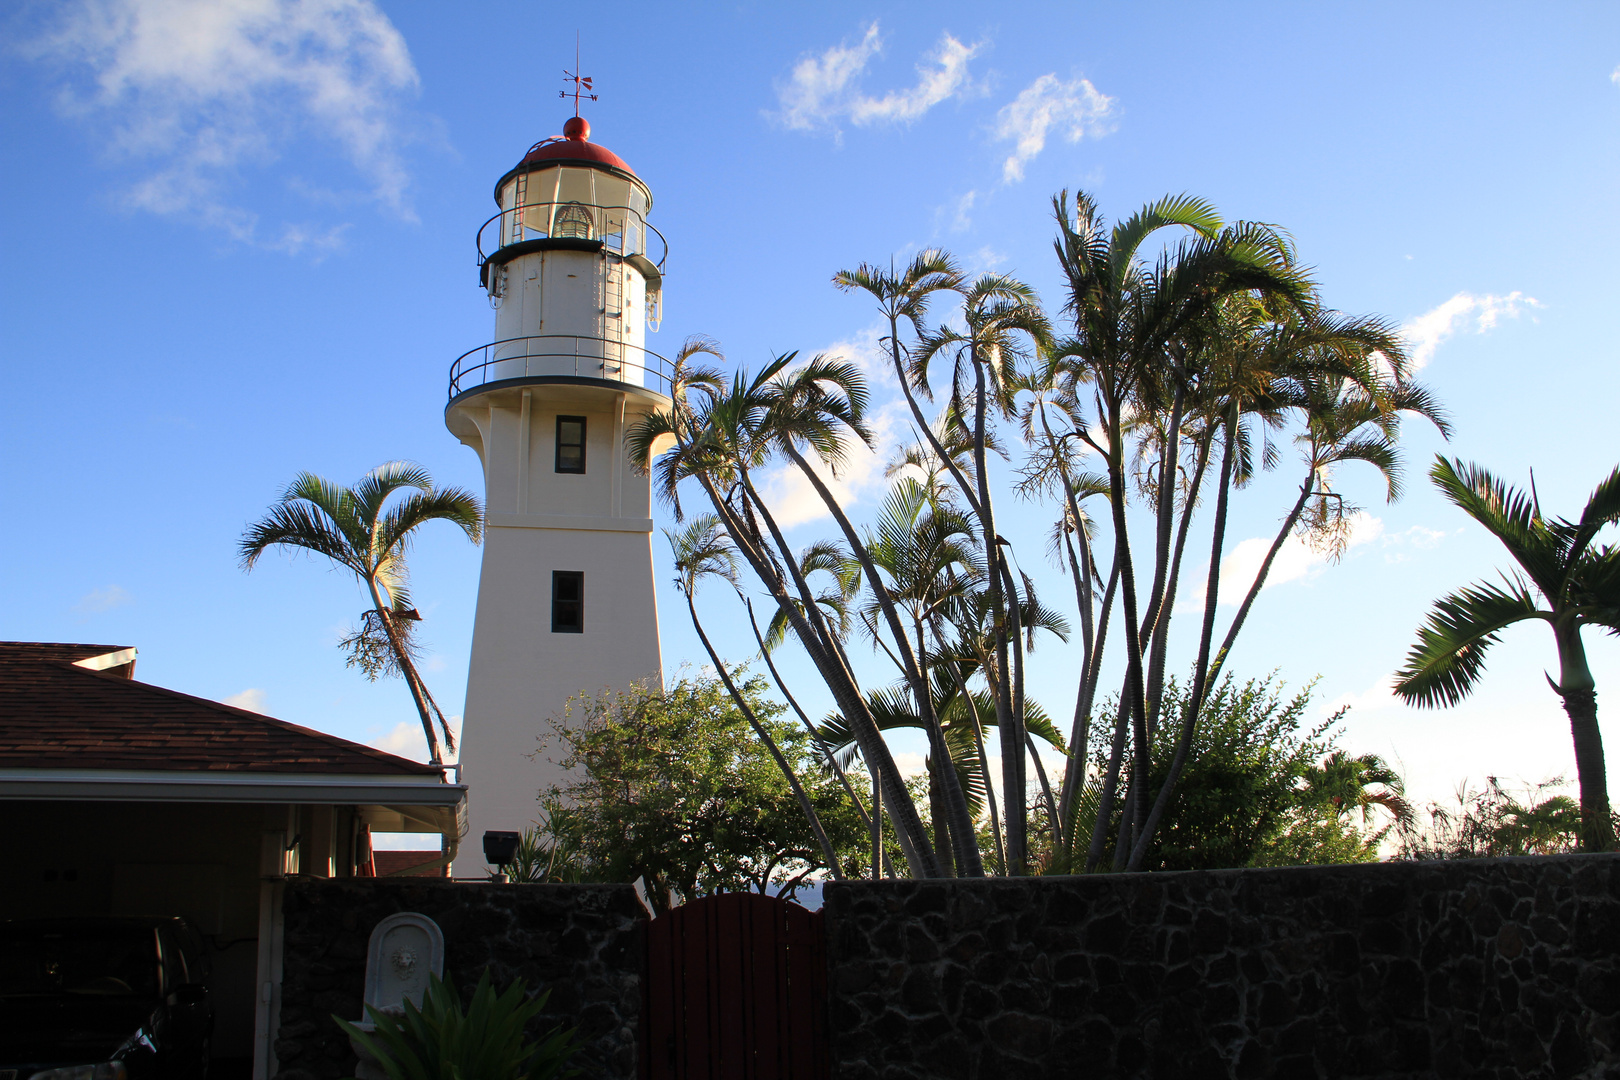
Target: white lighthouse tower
{"x": 565, "y": 597}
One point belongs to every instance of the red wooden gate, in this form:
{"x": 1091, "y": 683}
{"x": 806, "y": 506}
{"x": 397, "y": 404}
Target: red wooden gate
{"x": 736, "y": 989}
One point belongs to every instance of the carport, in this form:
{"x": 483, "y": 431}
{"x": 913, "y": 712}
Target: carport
{"x": 118, "y": 797}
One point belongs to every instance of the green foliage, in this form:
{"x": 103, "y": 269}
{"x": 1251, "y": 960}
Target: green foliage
{"x": 1494, "y": 823}
{"x": 1261, "y": 788}
{"x": 673, "y": 787}
{"x": 548, "y": 854}
{"x": 441, "y": 1041}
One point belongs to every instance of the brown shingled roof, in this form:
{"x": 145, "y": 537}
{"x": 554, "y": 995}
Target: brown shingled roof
{"x": 55, "y": 715}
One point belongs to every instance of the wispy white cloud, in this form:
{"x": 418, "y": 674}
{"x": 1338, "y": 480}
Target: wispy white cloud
{"x": 1614, "y": 76}
{"x": 407, "y": 741}
{"x": 1074, "y": 109}
{"x": 251, "y": 699}
{"x": 96, "y": 601}
{"x": 1463, "y": 312}
{"x": 794, "y": 501}
{"x": 1297, "y": 560}
{"x": 960, "y": 220}
{"x": 823, "y": 90}
{"x": 190, "y": 91}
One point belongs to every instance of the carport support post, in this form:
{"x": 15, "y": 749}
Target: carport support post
{"x": 267, "y": 998}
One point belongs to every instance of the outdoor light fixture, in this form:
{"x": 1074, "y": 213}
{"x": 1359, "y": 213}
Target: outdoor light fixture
{"x": 499, "y": 849}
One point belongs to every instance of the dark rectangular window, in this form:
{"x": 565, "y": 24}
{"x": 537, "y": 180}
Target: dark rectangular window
{"x": 567, "y": 602}
{"x": 571, "y": 444}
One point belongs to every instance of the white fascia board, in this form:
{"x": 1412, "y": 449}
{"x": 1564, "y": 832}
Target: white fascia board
{"x": 107, "y": 660}
{"x": 113, "y": 785}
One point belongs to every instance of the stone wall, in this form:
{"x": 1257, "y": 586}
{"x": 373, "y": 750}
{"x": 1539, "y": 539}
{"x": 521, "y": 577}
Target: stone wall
{"x": 584, "y": 943}
{"x": 1499, "y": 968}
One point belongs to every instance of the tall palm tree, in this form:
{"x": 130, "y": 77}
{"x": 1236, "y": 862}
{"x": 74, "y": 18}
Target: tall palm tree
{"x": 1003, "y": 324}
{"x": 1565, "y": 582}
{"x": 702, "y": 550}
{"x": 361, "y": 529}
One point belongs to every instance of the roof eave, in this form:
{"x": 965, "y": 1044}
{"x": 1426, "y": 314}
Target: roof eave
{"x": 228, "y": 787}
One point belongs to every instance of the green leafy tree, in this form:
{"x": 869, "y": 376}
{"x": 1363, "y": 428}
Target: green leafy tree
{"x": 368, "y": 531}
{"x": 1564, "y": 580}
{"x": 1260, "y": 787}
{"x": 673, "y": 786}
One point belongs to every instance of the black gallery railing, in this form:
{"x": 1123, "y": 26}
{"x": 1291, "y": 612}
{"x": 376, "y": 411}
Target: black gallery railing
{"x": 560, "y": 355}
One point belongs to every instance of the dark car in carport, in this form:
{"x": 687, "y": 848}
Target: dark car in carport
{"x": 103, "y": 999}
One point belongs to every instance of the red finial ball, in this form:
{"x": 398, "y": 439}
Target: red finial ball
{"x": 578, "y": 128}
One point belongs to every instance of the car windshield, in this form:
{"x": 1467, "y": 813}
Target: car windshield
{"x": 100, "y": 960}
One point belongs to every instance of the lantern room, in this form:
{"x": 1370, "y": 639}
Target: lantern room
{"x": 572, "y": 268}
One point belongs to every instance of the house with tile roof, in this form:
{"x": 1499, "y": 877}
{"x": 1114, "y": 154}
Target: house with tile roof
{"x": 118, "y": 797}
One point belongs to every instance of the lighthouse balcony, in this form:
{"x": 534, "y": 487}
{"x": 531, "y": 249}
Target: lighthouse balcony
{"x": 559, "y": 358}
{"x": 620, "y": 230}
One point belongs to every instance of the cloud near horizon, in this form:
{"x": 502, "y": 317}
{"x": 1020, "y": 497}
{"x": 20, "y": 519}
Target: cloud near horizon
{"x": 192, "y": 91}
{"x": 251, "y": 699}
{"x": 824, "y": 89}
{"x": 406, "y": 740}
{"x": 1074, "y": 109}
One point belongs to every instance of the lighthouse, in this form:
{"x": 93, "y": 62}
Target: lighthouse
{"x": 565, "y": 595}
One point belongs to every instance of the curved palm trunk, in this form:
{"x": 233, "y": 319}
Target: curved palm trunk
{"x": 1085, "y": 701}
{"x": 764, "y": 736}
{"x": 830, "y": 664}
{"x": 412, "y": 681}
{"x": 923, "y": 425}
{"x": 793, "y": 703}
{"x": 1260, "y": 578}
{"x": 1578, "y": 689}
{"x": 967, "y": 856}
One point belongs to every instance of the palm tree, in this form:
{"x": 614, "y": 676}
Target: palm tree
{"x": 357, "y": 528}
{"x": 1003, "y": 323}
{"x": 702, "y": 550}
{"x": 1565, "y": 582}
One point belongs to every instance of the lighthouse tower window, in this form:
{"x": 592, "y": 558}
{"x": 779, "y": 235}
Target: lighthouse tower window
{"x": 567, "y": 602}
{"x": 570, "y": 444}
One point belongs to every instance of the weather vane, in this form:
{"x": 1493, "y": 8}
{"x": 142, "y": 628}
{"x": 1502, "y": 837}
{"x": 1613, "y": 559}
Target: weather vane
{"x": 581, "y": 83}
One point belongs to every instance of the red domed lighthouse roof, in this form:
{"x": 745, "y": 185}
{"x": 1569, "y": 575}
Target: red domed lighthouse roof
{"x": 574, "y": 147}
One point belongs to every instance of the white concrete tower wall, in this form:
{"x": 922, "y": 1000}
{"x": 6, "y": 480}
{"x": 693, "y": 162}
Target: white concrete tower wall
{"x": 566, "y": 594}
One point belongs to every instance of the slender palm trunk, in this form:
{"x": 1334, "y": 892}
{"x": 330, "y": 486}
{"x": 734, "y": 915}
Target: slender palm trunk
{"x": 1110, "y": 785}
{"x": 1080, "y": 736}
{"x": 1160, "y": 644}
{"x": 1195, "y": 703}
{"x": 1009, "y": 725}
{"x": 409, "y": 671}
{"x": 967, "y": 857}
{"x": 826, "y": 752}
{"x": 1259, "y": 583}
{"x": 1133, "y": 695}
{"x": 984, "y": 766}
{"x": 830, "y": 663}
{"x": 923, "y": 425}
{"x": 764, "y": 736}
{"x": 1579, "y": 692}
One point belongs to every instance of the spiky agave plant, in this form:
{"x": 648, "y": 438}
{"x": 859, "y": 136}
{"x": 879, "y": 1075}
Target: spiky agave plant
{"x": 442, "y": 1041}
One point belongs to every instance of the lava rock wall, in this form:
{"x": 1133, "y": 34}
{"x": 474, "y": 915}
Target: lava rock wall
{"x": 583, "y": 943}
{"x": 1505, "y": 968}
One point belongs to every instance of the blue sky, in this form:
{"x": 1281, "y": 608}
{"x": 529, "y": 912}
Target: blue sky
{"x": 237, "y": 243}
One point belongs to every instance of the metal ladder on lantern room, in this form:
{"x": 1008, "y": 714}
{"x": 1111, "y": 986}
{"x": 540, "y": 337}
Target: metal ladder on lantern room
{"x": 519, "y": 197}
{"x": 612, "y": 309}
